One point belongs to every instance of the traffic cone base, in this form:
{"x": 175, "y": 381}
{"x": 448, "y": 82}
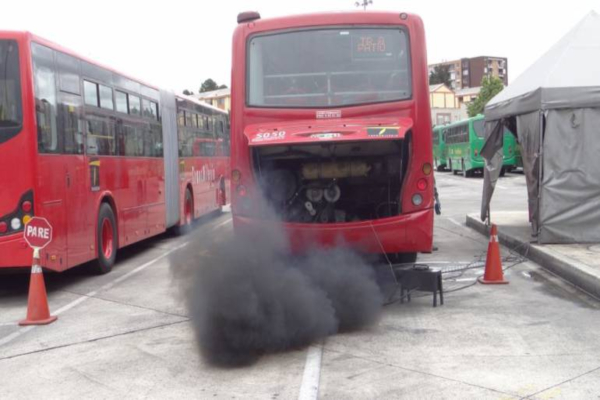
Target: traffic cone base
{"x": 493, "y": 274}
{"x": 481, "y": 279}
{"x": 46, "y": 321}
{"x": 38, "y": 312}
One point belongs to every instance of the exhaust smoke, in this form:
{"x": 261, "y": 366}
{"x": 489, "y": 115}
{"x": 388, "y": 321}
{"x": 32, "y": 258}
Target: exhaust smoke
{"x": 247, "y": 296}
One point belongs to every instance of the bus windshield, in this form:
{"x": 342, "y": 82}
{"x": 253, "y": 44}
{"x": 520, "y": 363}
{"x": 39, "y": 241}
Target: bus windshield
{"x": 328, "y": 68}
{"x": 11, "y": 115}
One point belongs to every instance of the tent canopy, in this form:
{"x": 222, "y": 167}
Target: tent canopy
{"x": 554, "y": 110}
{"x": 565, "y": 76}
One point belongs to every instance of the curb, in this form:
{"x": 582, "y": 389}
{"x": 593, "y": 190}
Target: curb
{"x": 575, "y": 272}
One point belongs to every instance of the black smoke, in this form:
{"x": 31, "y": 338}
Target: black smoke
{"x": 248, "y": 296}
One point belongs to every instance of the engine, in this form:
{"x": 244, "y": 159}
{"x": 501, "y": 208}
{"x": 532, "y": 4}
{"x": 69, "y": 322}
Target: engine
{"x": 331, "y": 184}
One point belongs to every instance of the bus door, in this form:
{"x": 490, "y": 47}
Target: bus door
{"x": 51, "y": 182}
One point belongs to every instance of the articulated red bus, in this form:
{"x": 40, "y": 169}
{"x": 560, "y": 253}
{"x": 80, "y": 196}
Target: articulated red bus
{"x": 331, "y": 127}
{"x": 107, "y": 159}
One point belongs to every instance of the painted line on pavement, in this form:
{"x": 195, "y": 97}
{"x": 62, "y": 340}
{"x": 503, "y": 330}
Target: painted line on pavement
{"x": 9, "y": 338}
{"x": 223, "y": 223}
{"x": 309, "y": 389}
{"x": 455, "y": 222}
{"x": 79, "y": 300}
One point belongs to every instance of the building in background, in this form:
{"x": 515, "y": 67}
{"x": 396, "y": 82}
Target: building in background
{"x": 445, "y": 107}
{"x": 468, "y": 72}
{"x": 466, "y": 95}
{"x": 220, "y": 98}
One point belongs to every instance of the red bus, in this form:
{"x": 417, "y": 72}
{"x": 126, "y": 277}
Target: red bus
{"x": 331, "y": 129}
{"x": 107, "y": 159}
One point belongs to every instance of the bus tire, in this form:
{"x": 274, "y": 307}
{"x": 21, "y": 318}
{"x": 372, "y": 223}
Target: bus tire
{"x": 502, "y": 171}
{"x": 106, "y": 243}
{"x": 406, "y": 258}
{"x": 440, "y": 168}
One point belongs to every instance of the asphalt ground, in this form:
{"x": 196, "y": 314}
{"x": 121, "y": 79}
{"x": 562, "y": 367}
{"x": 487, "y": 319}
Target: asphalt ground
{"x": 128, "y": 334}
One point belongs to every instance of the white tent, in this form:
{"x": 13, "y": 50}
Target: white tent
{"x": 554, "y": 110}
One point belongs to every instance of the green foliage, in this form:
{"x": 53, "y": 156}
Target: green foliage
{"x": 440, "y": 74}
{"x": 490, "y": 86}
{"x": 188, "y": 92}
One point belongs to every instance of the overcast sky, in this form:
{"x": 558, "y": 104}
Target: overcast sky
{"x": 177, "y": 44}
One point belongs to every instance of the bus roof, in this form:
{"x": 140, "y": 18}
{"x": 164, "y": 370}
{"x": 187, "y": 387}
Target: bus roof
{"x": 38, "y": 39}
{"x": 465, "y": 121}
{"x": 200, "y": 103}
{"x": 330, "y": 18}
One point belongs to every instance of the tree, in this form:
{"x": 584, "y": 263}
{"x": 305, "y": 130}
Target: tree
{"x": 209, "y": 85}
{"x": 188, "y": 92}
{"x": 490, "y": 86}
{"x": 440, "y": 74}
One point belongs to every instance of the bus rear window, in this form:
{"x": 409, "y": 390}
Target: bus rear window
{"x": 478, "y": 127}
{"x": 11, "y": 112}
{"x": 328, "y": 68}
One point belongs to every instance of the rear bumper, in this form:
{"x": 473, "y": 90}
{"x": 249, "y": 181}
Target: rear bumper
{"x": 403, "y": 234}
{"x": 14, "y": 252}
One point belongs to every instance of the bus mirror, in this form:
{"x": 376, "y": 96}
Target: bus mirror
{"x": 247, "y": 16}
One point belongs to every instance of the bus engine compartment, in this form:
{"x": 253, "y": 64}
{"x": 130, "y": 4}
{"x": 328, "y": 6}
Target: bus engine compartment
{"x": 332, "y": 182}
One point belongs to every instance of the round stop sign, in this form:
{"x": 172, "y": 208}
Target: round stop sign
{"x": 38, "y": 232}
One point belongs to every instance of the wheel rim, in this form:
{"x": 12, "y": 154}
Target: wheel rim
{"x": 188, "y": 211}
{"x": 107, "y": 238}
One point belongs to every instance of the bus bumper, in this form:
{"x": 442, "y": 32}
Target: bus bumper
{"x": 408, "y": 233}
{"x": 14, "y": 252}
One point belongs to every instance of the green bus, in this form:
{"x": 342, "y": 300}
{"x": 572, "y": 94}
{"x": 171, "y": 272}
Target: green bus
{"x": 464, "y": 140}
{"x": 440, "y": 154}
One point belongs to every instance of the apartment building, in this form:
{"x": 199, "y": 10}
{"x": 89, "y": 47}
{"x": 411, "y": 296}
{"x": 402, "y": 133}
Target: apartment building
{"x": 468, "y": 72}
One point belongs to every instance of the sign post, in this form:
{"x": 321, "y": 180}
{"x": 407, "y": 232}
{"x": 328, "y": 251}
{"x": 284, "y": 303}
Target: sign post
{"x": 38, "y": 234}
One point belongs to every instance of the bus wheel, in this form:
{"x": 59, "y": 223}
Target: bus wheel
{"x": 502, "y": 172}
{"x": 107, "y": 243}
{"x": 406, "y": 258}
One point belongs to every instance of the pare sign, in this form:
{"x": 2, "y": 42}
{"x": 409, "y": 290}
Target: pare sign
{"x": 38, "y": 232}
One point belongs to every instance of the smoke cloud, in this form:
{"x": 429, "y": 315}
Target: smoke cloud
{"x": 247, "y": 296}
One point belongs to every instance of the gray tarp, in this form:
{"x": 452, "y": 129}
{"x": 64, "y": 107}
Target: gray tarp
{"x": 570, "y": 202}
{"x": 492, "y": 153}
{"x": 528, "y": 132}
{"x": 563, "y": 86}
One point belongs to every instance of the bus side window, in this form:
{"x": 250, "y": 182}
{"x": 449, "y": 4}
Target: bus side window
{"x": 70, "y": 123}
{"x": 101, "y": 138}
{"x": 45, "y": 98}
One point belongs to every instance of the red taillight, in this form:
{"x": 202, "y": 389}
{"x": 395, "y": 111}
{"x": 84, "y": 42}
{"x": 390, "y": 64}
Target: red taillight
{"x": 422, "y": 184}
{"x": 3, "y": 227}
{"x": 26, "y": 206}
{"x": 241, "y": 190}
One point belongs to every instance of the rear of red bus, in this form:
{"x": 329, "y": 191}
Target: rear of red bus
{"x": 17, "y": 169}
{"x": 331, "y": 130}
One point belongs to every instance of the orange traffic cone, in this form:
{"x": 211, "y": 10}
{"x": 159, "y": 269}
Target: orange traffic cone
{"x": 38, "y": 312}
{"x": 493, "y": 264}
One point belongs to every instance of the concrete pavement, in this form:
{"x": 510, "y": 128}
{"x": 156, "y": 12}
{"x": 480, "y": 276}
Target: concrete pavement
{"x": 576, "y": 263}
{"x": 127, "y": 334}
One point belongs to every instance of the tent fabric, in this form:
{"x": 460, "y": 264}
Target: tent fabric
{"x": 570, "y": 202}
{"x": 528, "y": 132}
{"x": 556, "y": 106}
{"x": 570, "y": 64}
{"x": 493, "y": 154}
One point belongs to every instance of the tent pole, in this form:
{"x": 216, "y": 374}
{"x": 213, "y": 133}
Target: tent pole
{"x": 540, "y": 174}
